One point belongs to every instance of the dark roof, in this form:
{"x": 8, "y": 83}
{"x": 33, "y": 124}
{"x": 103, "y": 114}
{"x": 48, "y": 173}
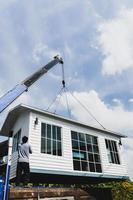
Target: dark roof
{"x": 14, "y": 113}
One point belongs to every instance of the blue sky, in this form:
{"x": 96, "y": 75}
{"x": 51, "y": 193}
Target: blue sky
{"x": 95, "y": 39}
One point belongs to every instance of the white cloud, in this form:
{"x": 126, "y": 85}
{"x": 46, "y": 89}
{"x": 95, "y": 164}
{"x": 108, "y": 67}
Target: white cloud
{"x": 116, "y": 42}
{"x": 115, "y": 117}
{"x": 130, "y": 100}
{"x": 117, "y": 101}
{"x": 42, "y": 50}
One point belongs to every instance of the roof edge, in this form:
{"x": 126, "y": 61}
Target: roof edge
{"x": 66, "y": 119}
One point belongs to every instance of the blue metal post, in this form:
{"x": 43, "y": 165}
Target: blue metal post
{"x": 1, "y": 187}
{"x": 6, "y": 188}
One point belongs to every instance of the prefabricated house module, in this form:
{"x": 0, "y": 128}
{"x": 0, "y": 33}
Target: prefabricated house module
{"x": 64, "y": 150}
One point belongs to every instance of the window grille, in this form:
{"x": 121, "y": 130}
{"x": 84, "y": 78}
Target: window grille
{"x": 112, "y": 151}
{"x": 51, "y": 139}
{"x": 85, "y": 150}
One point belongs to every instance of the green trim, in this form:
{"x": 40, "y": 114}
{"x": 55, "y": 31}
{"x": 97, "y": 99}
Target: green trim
{"x": 76, "y": 173}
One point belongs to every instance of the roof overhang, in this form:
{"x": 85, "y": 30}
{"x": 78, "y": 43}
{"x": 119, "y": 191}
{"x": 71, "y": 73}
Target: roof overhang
{"x": 14, "y": 114}
{"x": 11, "y": 119}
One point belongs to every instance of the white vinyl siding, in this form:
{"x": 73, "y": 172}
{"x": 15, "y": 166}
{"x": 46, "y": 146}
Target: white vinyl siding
{"x": 22, "y": 124}
{"x": 65, "y": 162}
{"x": 109, "y": 168}
{"x": 43, "y": 161}
{"x": 40, "y": 160}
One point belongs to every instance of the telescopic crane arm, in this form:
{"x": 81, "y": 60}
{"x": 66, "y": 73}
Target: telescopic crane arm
{"x": 19, "y": 89}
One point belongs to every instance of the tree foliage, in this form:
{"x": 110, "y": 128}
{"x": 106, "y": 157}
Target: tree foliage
{"x": 122, "y": 190}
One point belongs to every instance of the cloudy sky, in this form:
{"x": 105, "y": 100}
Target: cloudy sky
{"x": 95, "y": 39}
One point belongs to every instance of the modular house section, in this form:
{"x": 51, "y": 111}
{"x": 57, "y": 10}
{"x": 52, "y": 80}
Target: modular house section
{"x": 64, "y": 148}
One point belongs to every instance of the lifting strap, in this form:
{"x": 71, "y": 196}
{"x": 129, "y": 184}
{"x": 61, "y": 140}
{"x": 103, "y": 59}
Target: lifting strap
{"x": 66, "y": 91}
{"x": 62, "y": 91}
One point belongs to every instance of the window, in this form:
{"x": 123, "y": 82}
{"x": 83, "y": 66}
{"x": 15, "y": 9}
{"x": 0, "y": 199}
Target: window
{"x": 16, "y": 141}
{"x": 112, "y": 151}
{"x": 51, "y": 139}
{"x": 85, "y": 152}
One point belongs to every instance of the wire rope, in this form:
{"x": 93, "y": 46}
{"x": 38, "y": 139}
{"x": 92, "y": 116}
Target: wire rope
{"x": 85, "y": 108}
{"x": 54, "y": 100}
{"x": 64, "y": 90}
{"x": 68, "y": 108}
{"x": 58, "y": 101}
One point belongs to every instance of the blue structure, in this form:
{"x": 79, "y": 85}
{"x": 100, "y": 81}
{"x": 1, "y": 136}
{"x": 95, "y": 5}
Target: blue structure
{"x": 1, "y": 187}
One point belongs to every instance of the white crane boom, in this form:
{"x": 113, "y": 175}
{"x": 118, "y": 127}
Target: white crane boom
{"x": 19, "y": 89}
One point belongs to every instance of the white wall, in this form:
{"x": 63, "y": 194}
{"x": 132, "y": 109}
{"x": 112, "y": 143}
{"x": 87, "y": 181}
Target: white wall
{"x": 45, "y": 161}
{"x": 40, "y": 160}
{"x": 23, "y": 124}
{"x": 111, "y": 168}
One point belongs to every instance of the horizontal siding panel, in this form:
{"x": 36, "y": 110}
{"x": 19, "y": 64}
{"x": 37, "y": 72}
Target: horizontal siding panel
{"x": 67, "y": 161}
{"x": 44, "y": 161}
{"x": 39, "y": 160}
{"x": 60, "y": 165}
{"x": 52, "y": 162}
{"x": 110, "y": 169}
{"x": 55, "y": 166}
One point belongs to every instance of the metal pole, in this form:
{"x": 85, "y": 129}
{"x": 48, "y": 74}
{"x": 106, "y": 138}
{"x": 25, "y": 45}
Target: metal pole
{"x": 6, "y": 188}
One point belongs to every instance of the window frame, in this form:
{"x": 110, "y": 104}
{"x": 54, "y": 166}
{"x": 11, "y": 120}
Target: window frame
{"x": 112, "y": 151}
{"x": 16, "y": 141}
{"x": 88, "y": 140}
{"x": 54, "y": 139}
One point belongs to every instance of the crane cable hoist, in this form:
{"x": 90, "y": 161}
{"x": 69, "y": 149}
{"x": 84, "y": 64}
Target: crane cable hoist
{"x": 19, "y": 89}
{"x": 65, "y": 91}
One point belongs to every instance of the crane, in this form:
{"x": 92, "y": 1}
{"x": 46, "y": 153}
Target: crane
{"x": 13, "y": 94}
{"x": 19, "y": 89}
